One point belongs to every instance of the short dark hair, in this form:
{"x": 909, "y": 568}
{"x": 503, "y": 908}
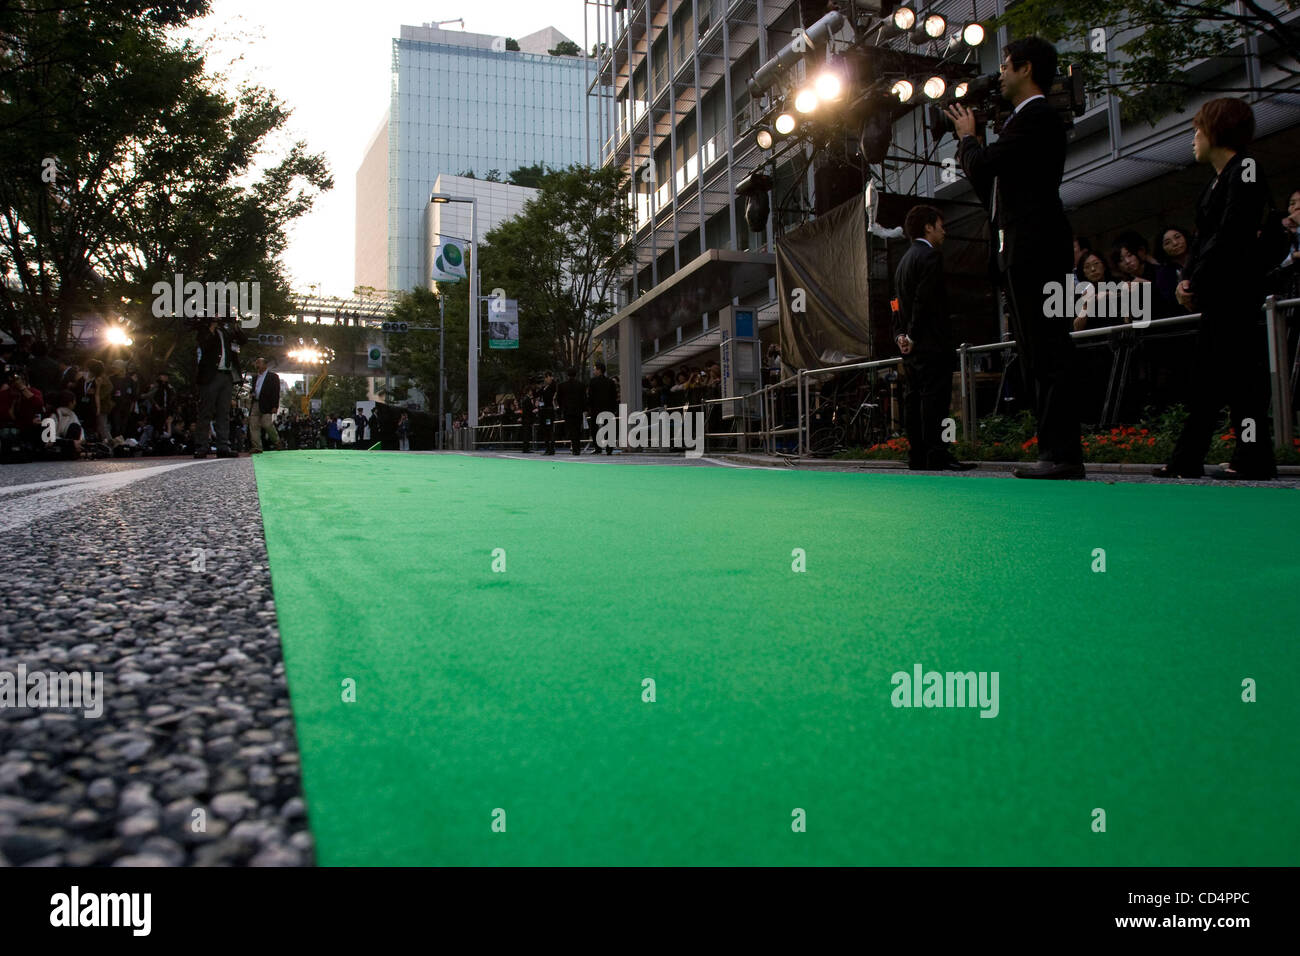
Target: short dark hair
{"x": 600, "y": 367}
{"x": 918, "y": 217}
{"x": 1039, "y": 54}
{"x": 95, "y": 367}
{"x": 1159, "y": 248}
{"x": 66, "y": 398}
{"x": 1132, "y": 241}
{"x": 571, "y": 372}
{"x": 1227, "y": 122}
{"x": 549, "y": 373}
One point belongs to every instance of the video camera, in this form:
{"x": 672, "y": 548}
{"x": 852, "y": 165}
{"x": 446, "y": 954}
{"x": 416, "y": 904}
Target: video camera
{"x": 983, "y": 97}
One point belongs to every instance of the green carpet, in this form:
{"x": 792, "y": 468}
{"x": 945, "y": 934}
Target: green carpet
{"x": 522, "y": 691}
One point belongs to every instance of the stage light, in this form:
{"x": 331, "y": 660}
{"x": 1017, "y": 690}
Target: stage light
{"x": 763, "y": 138}
{"x": 785, "y": 124}
{"x": 116, "y": 335}
{"x": 903, "y": 90}
{"x": 972, "y": 34}
{"x": 960, "y": 90}
{"x": 904, "y": 19}
{"x": 829, "y": 86}
{"x": 934, "y": 25}
{"x": 934, "y": 87}
{"x": 806, "y": 100}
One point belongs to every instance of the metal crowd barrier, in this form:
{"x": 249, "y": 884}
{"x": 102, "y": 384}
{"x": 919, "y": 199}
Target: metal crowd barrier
{"x": 768, "y": 399}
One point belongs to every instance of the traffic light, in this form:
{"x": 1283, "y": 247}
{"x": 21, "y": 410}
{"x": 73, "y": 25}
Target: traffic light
{"x": 394, "y": 327}
{"x": 270, "y": 340}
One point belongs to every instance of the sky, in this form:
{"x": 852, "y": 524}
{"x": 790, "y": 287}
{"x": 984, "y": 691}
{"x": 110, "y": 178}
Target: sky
{"x": 334, "y": 74}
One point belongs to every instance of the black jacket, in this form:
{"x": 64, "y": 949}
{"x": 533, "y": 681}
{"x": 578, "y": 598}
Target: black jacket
{"x": 572, "y": 397}
{"x": 602, "y": 395}
{"x": 922, "y": 299}
{"x": 268, "y": 399}
{"x": 210, "y": 351}
{"x": 1225, "y": 265}
{"x": 546, "y": 399}
{"x": 1018, "y": 179}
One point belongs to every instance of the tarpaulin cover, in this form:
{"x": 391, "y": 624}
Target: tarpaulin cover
{"x": 827, "y": 260}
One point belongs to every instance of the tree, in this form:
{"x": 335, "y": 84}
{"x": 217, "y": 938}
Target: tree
{"x": 512, "y": 44}
{"x": 599, "y": 49}
{"x": 1164, "y": 37}
{"x": 566, "y": 48}
{"x": 124, "y": 164}
{"x": 530, "y": 176}
{"x": 342, "y": 393}
{"x": 560, "y": 259}
{"x": 417, "y": 354}
{"x": 493, "y": 176}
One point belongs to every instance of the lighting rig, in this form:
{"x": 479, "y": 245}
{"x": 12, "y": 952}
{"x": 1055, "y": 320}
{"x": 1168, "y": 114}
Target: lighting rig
{"x": 856, "y": 93}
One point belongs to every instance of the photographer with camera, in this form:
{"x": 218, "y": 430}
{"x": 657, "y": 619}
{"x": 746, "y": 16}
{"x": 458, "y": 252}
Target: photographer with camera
{"x": 1018, "y": 179}
{"x": 218, "y": 369}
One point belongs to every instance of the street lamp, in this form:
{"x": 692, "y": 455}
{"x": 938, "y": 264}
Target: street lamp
{"x": 472, "y": 397}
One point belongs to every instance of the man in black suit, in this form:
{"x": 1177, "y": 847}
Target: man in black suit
{"x": 546, "y": 413}
{"x": 924, "y": 336}
{"x": 1224, "y": 280}
{"x": 218, "y": 369}
{"x": 527, "y": 415}
{"x": 573, "y": 399}
{"x": 1018, "y": 179}
{"x": 602, "y": 396}
{"x": 265, "y": 403}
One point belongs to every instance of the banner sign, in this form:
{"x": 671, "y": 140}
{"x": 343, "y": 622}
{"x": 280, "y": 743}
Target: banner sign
{"x": 503, "y": 324}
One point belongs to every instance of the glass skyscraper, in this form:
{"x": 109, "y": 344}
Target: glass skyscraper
{"x": 460, "y": 101}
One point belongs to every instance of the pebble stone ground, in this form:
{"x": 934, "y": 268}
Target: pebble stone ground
{"x": 99, "y": 575}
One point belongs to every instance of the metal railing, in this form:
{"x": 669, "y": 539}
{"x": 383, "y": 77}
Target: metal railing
{"x": 764, "y": 405}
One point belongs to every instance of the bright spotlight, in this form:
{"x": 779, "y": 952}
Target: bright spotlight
{"x": 785, "y": 124}
{"x": 972, "y": 34}
{"x": 960, "y": 90}
{"x": 903, "y": 90}
{"x": 806, "y": 101}
{"x": 904, "y": 18}
{"x": 764, "y": 138}
{"x": 829, "y": 86}
{"x": 935, "y": 25}
{"x": 934, "y": 87}
{"x": 116, "y": 335}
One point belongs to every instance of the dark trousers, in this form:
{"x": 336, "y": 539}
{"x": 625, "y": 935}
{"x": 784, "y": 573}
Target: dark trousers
{"x": 526, "y": 436}
{"x": 214, "y": 409}
{"x": 548, "y": 433}
{"x": 573, "y": 428}
{"x": 1047, "y": 361}
{"x": 1231, "y": 367}
{"x": 927, "y": 395}
{"x": 613, "y": 428}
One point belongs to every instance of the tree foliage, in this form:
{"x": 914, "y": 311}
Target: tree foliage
{"x": 126, "y": 163}
{"x": 1152, "y": 42}
{"x": 566, "y": 48}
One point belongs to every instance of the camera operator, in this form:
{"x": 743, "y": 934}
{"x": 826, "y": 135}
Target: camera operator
{"x": 1019, "y": 179}
{"x": 218, "y": 360}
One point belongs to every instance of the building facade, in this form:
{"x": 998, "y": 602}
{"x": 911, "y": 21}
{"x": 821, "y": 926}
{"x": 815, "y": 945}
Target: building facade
{"x": 674, "y": 111}
{"x": 461, "y": 102}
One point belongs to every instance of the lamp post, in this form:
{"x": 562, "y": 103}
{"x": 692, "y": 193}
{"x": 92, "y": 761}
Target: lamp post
{"x": 472, "y": 397}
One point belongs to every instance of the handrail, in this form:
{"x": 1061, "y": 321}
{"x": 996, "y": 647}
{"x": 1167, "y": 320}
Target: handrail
{"x": 1275, "y": 327}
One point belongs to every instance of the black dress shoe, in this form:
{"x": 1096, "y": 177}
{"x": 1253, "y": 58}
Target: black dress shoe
{"x": 200, "y": 454}
{"x": 1169, "y": 471}
{"x": 227, "y": 453}
{"x": 1051, "y": 470}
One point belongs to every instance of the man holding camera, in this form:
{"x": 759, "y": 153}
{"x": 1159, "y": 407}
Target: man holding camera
{"x": 218, "y": 356}
{"x": 1018, "y": 179}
